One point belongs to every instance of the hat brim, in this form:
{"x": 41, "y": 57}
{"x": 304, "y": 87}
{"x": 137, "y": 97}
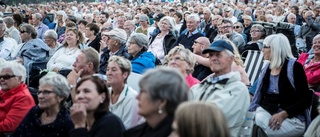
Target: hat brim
{"x": 209, "y": 49}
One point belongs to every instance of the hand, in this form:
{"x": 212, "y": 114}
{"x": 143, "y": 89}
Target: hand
{"x": 277, "y": 119}
{"x": 78, "y": 115}
{"x": 19, "y": 60}
{"x": 73, "y": 76}
{"x": 180, "y": 45}
{"x": 102, "y": 45}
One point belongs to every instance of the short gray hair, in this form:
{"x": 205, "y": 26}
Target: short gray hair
{"x": 8, "y": 20}
{"x": 123, "y": 63}
{"x": 164, "y": 83}
{"x": 38, "y": 16}
{"x": 17, "y": 69}
{"x": 141, "y": 40}
{"x": 52, "y": 34}
{"x": 59, "y": 83}
{"x": 187, "y": 56}
{"x": 316, "y": 37}
{"x": 194, "y": 16}
{"x": 171, "y": 22}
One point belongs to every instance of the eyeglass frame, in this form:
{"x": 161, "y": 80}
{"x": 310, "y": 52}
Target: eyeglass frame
{"x": 6, "y": 77}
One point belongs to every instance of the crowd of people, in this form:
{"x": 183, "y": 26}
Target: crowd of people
{"x": 65, "y": 68}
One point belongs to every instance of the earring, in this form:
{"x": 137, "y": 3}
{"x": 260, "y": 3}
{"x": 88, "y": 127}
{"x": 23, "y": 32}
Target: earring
{"x": 160, "y": 111}
{"x": 101, "y": 101}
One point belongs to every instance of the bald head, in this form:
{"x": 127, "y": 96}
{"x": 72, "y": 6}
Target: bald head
{"x": 200, "y": 44}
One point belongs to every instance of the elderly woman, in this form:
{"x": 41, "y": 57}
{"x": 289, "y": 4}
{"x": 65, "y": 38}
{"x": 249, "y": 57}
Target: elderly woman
{"x": 16, "y": 99}
{"x": 60, "y": 26}
{"x": 162, "y": 90}
{"x": 123, "y": 101}
{"x": 33, "y": 49}
{"x": 50, "y": 37}
{"x": 257, "y": 35}
{"x": 183, "y": 59}
{"x": 161, "y": 43}
{"x": 115, "y": 42}
{"x": 140, "y": 58}
{"x": 90, "y": 112}
{"x": 311, "y": 64}
{"x": 50, "y": 117}
{"x": 207, "y": 117}
{"x": 280, "y": 106}
{"x": 65, "y": 56}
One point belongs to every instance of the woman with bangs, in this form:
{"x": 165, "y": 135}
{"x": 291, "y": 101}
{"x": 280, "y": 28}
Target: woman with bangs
{"x": 282, "y": 97}
{"x": 66, "y": 55}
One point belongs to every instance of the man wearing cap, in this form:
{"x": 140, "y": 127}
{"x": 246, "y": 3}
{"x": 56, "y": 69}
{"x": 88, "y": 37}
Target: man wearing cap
{"x": 200, "y": 72}
{"x": 224, "y": 87}
{"x": 229, "y": 14}
{"x": 187, "y": 38}
{"x": 116, "y": 45}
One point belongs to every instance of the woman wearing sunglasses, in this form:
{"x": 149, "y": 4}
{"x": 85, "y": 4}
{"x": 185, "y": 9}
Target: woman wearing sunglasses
{"x": 257, "y": 35}
{"x": 15, "y": 98}
{"x": 50, "y": 117}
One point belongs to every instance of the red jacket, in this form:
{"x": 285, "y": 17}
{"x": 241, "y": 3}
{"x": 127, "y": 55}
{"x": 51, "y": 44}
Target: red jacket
{"x": 312, "y": 71}
{"x": 14, "y": 105}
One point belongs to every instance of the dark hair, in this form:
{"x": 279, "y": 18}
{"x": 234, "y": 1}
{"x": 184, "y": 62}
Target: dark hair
{"x": 94, "y": 27}
{"x": 179, "y": 15}
{"x": 72, "y": 18}
{"x": 227, "y": 21}
{"x": 101, "y": 87}
{"x": 296, "y": 8}
{"x": 17, "y": 19}
{"x": 29, "y": 29}
{"x": 84, "y": 22}
{"x": 106, "y": 14}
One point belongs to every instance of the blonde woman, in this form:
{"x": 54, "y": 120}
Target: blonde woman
{"x": 207, "y": 117}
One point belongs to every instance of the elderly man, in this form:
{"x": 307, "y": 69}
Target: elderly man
{"x": 12, "y": 31}
{"x": 227, "y": 30}
{"x": 206, "y": 22}
{"x": 86, "y": 64}
{"x": 309, "y": 30}
{"x": 6, "y": 44}
{"x": 247, "y": 26}
{"x": 224, "y": 87}
{"x": 187, "y": 38}
{"x": 229, "y": 15}
{"x": 200, "y": 72}
{"x": 213, "y": 30}
{"x": 116, "y": 40}
{"x": 291, "y": 18}
{"x": 39, "y": 26}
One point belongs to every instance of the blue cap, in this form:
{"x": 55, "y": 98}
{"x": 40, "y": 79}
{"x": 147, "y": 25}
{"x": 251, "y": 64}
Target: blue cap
{"x": 218, "y": 45}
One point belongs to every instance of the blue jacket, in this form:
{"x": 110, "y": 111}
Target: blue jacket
{"x": 142, "y": 62}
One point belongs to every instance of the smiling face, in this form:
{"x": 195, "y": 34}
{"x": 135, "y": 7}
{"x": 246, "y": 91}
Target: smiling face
{"x": 71, "y": 37}
{"x": 9, "y": 80}
{"x": 87, "y": 94}
{"x": 177, "y": 61}
{"x": 164, "y": 25}
{"x": 316, "y": 46}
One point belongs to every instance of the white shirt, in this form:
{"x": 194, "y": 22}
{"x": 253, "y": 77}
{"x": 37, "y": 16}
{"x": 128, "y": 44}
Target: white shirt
{"x": 63, "y": 58}
{"x": 126, "y": 108}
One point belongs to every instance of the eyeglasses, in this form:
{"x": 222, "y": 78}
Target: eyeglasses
{"x": 176, "y": 59}
{"x": 6, "y": 77}
{"x": 255, "y": 31}
{"x": 44, "y": 92}
{"x": 266, "y": 47}
{"x": 237, "y": 27}
{"x": 195, "y": 42}
{"x": 22, "y": 31}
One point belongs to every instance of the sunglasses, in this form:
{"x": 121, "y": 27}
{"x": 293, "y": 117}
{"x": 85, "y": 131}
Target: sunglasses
{"x": 6, "y": 77}
{"x": 236, "y": 27}
{"x": 22, "y": 31}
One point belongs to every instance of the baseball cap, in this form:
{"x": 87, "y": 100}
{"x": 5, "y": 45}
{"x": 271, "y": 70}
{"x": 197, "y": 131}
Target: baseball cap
{"x": 218, "y": 45}
{"x": 158, "y": 17}
{"x": 119, "y": 33}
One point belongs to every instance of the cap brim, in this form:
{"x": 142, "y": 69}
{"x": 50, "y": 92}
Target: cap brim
{"x": 212, "y": 49}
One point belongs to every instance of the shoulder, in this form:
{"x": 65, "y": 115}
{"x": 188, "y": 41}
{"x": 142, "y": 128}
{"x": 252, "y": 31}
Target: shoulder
{"x": 110, "y": 120}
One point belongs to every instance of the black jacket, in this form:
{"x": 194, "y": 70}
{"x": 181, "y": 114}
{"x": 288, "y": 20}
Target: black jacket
{"x": 105, "y": 57}
{"x": 168, "y": 41}
{"x": 95, "y": 43}
{"x": 163, "y": 129}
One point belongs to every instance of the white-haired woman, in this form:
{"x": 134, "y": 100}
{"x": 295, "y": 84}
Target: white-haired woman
{"x": 60, "y": 22}
{"x": 50, "y": 117}
{"x": 50, "y": 37}
{"x": 161, "y": 43}
{"x": 282, "y": 95}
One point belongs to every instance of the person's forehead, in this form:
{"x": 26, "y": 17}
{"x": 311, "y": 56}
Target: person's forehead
{"x": 6, "y": 71}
